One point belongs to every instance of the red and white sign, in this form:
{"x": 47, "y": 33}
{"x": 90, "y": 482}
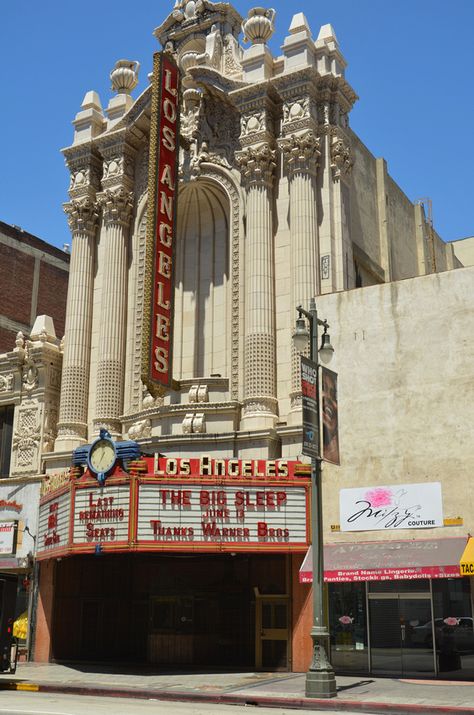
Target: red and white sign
{"x": 53, "y": 528}
{"x": 238, "y": 514}
{"x": 396, "y": 574}
{"x": 168, "y": 504}
{"x": 7, "y": 536}
{"x": 102, "y": 515}
{"x": 164, "y": 222}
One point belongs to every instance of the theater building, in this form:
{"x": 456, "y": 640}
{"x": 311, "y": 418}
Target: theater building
{"x": 191, "y": 551}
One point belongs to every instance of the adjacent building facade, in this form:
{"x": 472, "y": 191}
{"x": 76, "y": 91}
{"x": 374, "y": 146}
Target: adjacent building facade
{"x": 33, "y": 282}
{"x": 192, "y": 553}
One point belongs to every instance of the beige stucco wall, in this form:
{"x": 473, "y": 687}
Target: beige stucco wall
{"x": 464, "y": 250}
{"x": 364, "y": 216}
{"x": 405, "y": 358}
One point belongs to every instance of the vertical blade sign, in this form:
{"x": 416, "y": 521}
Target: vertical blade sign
{"x": 161, "y": 226}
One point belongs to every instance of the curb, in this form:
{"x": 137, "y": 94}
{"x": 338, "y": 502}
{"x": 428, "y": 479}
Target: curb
{"x": 372, "y": 708}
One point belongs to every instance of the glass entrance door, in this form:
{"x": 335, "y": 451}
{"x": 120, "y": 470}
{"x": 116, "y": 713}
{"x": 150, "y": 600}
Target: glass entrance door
{"x": 398, "y": 640}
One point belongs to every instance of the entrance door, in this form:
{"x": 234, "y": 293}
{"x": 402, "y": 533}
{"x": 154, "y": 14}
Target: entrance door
{"x": 400, "y": 643}
{"x": 271, "y": 636}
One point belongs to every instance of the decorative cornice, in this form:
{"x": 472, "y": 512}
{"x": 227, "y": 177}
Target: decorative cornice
{"x": 82, "y": 216}
{"x": 167, "y": 410}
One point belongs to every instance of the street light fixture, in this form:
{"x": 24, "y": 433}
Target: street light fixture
{"x": 320, "y": 678}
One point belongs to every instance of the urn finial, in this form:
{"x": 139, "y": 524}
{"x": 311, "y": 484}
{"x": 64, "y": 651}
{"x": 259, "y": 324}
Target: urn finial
{"x": 259, "y": 25}
{"x": 124, "y": 76}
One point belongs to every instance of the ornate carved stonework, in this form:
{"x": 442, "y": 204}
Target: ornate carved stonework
{"x": 232, "y": 63}
{"x": 301, "y": 152}
{"x": 85, "y": 170}
{"x": 26, "y": 440}
{"x": 257, "y": 164}
{"x": 30, "y": 373}
{"x": 6, "y": 383}
{"x": 117, "y": 206}
{"x": 50, "y": 428}
{"x": 341, "y": 158}
{"x": 82, "y": 216}
{"x": 296, "y": 109}
{"x": 140, "y": 430}
{"x": 260, "y": 406}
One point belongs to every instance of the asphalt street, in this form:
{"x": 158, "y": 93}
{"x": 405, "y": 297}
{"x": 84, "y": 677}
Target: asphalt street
{"x": 18, "y": 703}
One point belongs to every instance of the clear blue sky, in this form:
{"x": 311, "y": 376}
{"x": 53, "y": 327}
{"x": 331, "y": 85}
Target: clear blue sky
{"x": 410, "y": 61}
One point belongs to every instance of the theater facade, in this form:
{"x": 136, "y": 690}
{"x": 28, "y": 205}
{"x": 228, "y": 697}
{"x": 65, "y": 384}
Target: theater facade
{"x": 176, "y": 562}
{"x": 231, "y": 190}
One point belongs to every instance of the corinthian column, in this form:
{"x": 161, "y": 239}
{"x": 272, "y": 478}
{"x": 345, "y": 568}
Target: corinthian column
{"x": 257, "y": 164}
{"x": 72, "y": 427}
{"x": 301, "y": 154}
{"x": 117, "y": 207}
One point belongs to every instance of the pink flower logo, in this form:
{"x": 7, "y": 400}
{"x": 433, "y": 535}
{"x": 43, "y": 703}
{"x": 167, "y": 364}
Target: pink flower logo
{"x": 451, "y": 621}
{"x": 379, "y": 497}
{"x": 346, "y": 620}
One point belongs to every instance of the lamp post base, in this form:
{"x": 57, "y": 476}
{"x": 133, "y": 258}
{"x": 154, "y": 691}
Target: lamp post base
{"x": 320, "y": 684}
{"x": 320, "y": 678}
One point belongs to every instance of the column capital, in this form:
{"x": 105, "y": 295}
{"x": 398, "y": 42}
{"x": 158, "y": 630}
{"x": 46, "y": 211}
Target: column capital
{"x": 342, "y": 159}
{"x": 301, "y": 152}
{"x": 257, "y": 164}
{"x": 117, "y": 206}
{"x": 82, "y": 215}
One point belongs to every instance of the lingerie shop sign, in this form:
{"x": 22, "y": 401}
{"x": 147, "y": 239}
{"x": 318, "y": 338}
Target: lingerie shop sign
{"x": 395, "y": 507}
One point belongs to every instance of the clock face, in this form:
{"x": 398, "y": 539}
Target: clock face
{"x": 102, "y": 457}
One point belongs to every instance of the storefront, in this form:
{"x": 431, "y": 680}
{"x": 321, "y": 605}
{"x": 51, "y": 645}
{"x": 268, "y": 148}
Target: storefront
{"x": 179, "y": 562}
{"x": 18, "y": 528}
{"x": 399, "y": 608}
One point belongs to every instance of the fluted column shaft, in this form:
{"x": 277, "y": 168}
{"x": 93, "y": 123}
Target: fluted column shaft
{"x": 72, "y": 427}
{"x": 301, "y": 153}
{"x": 260, "y": 403}
{"x": 117, "y": 208}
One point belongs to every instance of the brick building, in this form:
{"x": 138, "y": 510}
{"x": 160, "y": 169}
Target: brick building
{"x": 33, "y": 281}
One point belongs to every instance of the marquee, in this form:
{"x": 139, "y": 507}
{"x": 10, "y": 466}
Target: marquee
{"x": 197, "y": 504}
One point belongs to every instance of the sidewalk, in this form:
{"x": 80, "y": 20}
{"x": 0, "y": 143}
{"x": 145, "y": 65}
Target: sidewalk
{"x": 365, "y": 695}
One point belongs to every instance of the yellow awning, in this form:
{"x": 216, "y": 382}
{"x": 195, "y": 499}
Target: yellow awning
{"x": 467, "y": 559}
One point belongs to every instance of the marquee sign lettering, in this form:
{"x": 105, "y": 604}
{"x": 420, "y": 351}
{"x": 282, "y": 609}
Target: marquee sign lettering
{"x": 169, "y": 504}
{"x": 161, "y": 226}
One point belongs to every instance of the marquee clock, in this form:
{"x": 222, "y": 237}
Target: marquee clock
{"x": 103, "y": 454}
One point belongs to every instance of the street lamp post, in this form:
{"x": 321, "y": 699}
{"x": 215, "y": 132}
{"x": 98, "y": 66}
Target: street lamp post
{"x": 320, "y": 678}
